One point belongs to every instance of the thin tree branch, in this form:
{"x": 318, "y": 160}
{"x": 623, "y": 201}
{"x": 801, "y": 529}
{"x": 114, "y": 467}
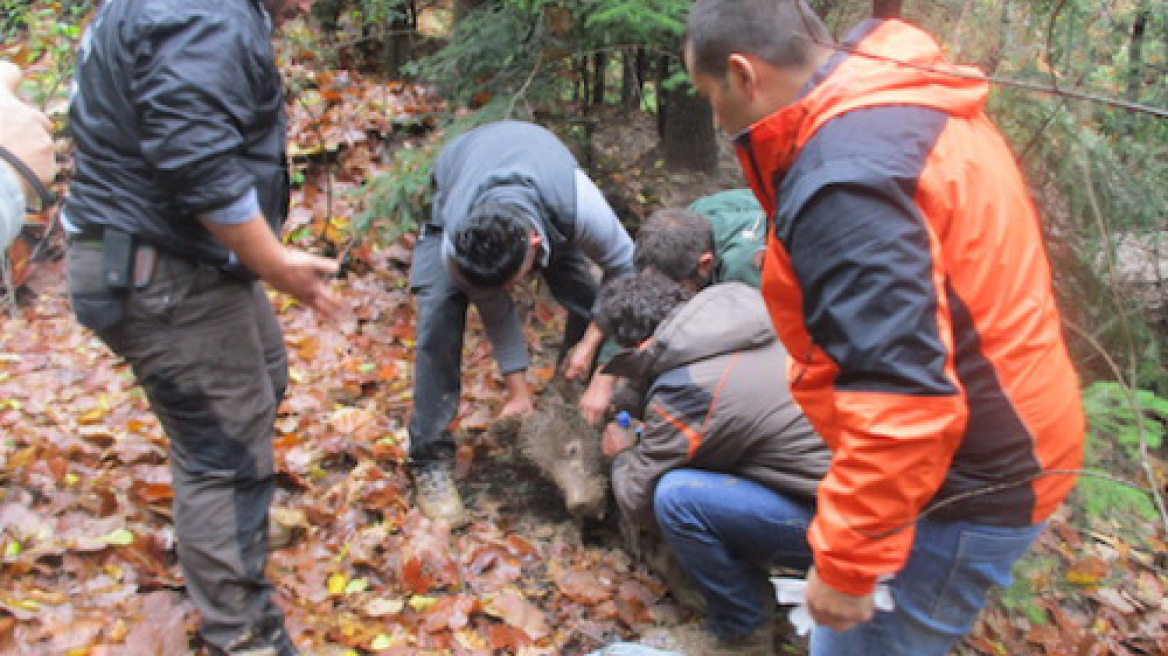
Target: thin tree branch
{"x": 526, "y": 84}
{"x": 993, "y": 79}
{"x": 1054, "y": 16}
{"x": 1125, "y": 327}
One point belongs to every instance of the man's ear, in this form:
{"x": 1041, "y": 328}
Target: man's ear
{"x": 706, "y": 264}
{"x": 740, "y": 70}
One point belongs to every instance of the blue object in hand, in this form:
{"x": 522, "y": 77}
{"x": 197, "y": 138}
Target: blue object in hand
{"x": 622, "y": 419}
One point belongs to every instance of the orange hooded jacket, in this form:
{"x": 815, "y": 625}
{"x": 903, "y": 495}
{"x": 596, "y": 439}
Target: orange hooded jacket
{"x": 905, "y": 273}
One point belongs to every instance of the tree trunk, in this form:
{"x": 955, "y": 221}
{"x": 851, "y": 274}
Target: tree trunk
{"x": 632, "y": 78}
{"x": 689, "y": 141}
{"x": 582, "y": 86}
{"x": 993, "y": 58}
{"x": 398, "y": 43}
{"x": 1135, "y": 55}
{"x": 661, "y": 96}
{"x": 886, "y": 8}
{"x": 1135, "y": 70}
{"x": 327, "y": 13}
{"x": 599, "y": 86}
{"x": 583, "y": 67}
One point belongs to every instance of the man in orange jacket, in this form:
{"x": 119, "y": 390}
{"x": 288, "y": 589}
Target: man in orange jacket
{"x": 906, "y": 275}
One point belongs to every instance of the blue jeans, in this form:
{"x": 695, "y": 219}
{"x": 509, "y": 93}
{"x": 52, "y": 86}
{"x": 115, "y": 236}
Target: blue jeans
{"x": 727, "y": 532}
{"x": 938, "y": 594}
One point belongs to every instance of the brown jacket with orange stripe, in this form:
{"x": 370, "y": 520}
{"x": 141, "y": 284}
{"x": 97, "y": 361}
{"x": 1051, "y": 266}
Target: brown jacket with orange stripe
{"x": 906, "y": 274}
{"x": 715, "y": 399}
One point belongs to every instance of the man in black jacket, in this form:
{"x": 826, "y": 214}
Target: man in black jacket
{"x": 179, "y": 191}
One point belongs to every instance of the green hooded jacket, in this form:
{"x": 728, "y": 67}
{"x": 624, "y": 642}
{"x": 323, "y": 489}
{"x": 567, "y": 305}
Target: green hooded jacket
{"x": 739, "y": 234}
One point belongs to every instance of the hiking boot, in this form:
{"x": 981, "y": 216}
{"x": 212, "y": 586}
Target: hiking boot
{"x": 695, "y": 640}
{"x": 759, "y": 643}
{"x": 253, "y": 642}
{"x": 285, "y": 526}
{"x": 256, "y": 651}
{"x": 681, "y": 585}
{"x": 436, "y": 495}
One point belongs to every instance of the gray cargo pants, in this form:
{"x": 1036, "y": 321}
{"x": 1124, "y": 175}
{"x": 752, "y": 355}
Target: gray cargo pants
{"x": 209, "y": 353}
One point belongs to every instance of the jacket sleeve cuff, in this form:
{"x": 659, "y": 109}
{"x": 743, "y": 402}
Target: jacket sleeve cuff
{"x": 238, "y": 211}
{"x": 847, "y": 582}
{"x": 851, "y": 563}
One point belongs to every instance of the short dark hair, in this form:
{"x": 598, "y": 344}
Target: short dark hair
{"x": 631, "y": 307}
{"x": 490, "y": 245}
{"x": 781, "y": 32}
{"x": 672, "y": 241}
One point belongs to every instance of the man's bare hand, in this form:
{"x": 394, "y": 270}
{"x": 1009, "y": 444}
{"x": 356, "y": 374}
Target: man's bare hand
{"x": 834, "y": 609}
{"x": 594, "y": 402}
{"x": 25, "y": 131}
{"x": 616, "y": 439}
{"x": 305, "y": 277}
{"x": 298, "y": 273}
{"x": 578, "y": 362}
{"x": 518, "y": 408}
{"x": 519, "y": 402}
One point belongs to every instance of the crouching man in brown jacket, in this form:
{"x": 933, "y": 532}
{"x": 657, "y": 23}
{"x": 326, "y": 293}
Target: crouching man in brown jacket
{"x": 725, "y": 462}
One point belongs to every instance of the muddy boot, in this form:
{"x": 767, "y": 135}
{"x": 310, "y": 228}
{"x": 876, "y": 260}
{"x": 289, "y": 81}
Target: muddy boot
{"x": 277, "y": 643}
{"x": 695, "y": 640}
{"x": 437, "y": 496}
{"x": 759, "y": 643}
{"x": 681, "y": 585}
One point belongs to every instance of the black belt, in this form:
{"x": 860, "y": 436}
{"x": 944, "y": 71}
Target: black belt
{"x": 88, "y": 232}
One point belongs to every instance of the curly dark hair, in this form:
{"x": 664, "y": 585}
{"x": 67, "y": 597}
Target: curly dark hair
{"x": 672, "y": 241}
{"x": 489, "y": 247}
{"x": 631, "y": 307}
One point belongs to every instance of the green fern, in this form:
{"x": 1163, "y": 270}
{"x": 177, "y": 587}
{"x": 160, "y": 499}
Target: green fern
{"x": 1110, "y": 411}
{"x": 1117, "y": 416}
{"x": 397, "y": 200}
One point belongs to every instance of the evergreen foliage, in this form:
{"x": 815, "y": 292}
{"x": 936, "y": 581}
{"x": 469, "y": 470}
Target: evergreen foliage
{"x": 1120, "y": 421}
{"x": 491, "y": 53}
{"x": 1124, "y": 417}
{"x": 527, "y": 50}
{"x": 1098, "y": 170}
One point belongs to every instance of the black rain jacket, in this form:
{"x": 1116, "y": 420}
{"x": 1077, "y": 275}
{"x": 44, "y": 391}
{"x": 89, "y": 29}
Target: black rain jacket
{"x": 177, "y": 109}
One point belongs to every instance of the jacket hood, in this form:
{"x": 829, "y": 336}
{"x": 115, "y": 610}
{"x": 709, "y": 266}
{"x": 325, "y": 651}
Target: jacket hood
{"x": 890, "y": 62}
{"x": 722, "y": 318}
{"x": 882, "y": 62}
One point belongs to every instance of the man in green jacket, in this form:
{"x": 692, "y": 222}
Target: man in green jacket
{"x": 721, "y": 236}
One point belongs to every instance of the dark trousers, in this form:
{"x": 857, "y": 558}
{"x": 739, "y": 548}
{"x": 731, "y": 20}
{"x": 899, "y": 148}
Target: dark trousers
{"x": 209, "y": 353}
{"x": 441, "y": 323}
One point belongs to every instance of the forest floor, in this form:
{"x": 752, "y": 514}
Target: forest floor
{"x": 87, "y": 545}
